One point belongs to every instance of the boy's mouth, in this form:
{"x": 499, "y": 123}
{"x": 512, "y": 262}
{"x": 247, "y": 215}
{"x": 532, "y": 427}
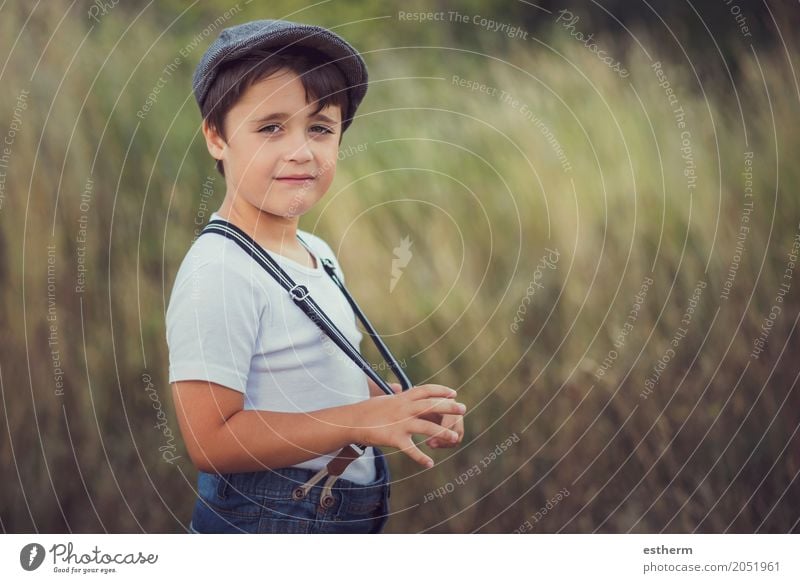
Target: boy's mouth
{"x": 295, "y": 178}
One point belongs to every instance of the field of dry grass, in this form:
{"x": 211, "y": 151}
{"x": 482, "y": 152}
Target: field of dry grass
{"x": 605, "y": 275}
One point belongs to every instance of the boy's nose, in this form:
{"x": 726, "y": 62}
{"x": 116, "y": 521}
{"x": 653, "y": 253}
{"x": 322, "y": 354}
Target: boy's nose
{"x": 298, "y": 151}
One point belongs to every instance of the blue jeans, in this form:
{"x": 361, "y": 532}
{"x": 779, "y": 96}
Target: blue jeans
{"x": 262, "y": 502}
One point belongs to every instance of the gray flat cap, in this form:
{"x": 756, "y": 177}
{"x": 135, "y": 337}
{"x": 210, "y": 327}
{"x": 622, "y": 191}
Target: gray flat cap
{"x": 236, "y": 41}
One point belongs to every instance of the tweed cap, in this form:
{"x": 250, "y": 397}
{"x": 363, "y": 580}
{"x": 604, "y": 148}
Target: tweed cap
{"x": 236, "y": 41}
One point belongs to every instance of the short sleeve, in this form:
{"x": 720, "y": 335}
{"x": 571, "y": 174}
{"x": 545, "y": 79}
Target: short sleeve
{"x": 213, "y": 321}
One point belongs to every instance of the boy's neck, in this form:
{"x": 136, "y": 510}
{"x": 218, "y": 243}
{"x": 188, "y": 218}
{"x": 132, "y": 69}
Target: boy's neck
{"x": 271, "y": 231}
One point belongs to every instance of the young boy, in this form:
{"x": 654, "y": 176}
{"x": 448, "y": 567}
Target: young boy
{"x": 262, "y": 401}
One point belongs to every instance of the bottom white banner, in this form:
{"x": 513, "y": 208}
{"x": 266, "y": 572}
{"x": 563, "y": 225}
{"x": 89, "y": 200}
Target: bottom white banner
{"x": 388, "y": 558}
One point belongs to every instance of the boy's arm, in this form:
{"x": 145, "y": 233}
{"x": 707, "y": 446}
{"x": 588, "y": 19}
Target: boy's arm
{"x": 221, "y": 437}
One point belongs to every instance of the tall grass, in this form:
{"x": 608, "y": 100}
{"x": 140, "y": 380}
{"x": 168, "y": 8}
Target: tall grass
{"x": 477, "y": 186}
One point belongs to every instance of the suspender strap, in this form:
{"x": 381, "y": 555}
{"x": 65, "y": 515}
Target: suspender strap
{"x": 405, "y": 382}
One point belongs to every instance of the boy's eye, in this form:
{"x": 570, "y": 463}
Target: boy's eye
{"x": 269, "y": 129}
{"x": 321, "y": 130}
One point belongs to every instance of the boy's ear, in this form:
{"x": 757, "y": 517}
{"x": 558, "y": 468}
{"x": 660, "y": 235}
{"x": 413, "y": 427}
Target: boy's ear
{"x": 214, "y": 142}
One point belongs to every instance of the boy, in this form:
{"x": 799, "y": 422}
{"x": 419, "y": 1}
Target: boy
{"x": 262, "y": 404}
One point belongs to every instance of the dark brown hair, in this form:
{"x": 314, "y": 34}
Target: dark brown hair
{"x": 322, "y": 80}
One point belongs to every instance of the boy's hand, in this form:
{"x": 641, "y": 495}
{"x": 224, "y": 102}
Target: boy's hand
{"x": 453, "y": 423}
{"x": 392, "y": 420}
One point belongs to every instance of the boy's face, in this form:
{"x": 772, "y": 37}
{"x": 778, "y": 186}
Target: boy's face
{"x": 279, "y": 156}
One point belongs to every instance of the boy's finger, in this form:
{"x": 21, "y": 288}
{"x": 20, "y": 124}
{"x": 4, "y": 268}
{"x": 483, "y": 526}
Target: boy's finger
{"x": 429, "y": 391}
{"x": 437, "y": 443}
{"x": 456, "y": 423}
{"x": 415, "y": 453}
{"x": 440, "y": 406}
{"x": 422, "y": 427}
{"x": 442, "y": 444}
{"x": 444, "y": 439}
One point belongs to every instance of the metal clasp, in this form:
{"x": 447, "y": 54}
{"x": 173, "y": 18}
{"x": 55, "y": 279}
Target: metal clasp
{"x": 299, "y": 292}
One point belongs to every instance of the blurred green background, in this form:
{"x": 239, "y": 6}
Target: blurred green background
{"x": 678, "y": 422}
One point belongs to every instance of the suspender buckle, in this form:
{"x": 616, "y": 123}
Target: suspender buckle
{"x": 299, "y": 292}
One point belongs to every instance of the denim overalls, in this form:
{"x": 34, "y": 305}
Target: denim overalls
{"x": 262, "y": 502}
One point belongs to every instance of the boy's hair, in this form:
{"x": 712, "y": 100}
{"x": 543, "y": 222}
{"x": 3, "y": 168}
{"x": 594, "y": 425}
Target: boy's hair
{"x": 322, "y": 80}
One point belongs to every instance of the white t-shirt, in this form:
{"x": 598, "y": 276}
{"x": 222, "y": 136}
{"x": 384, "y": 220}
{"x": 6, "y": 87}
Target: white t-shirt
{"x": 229, "y": 322}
